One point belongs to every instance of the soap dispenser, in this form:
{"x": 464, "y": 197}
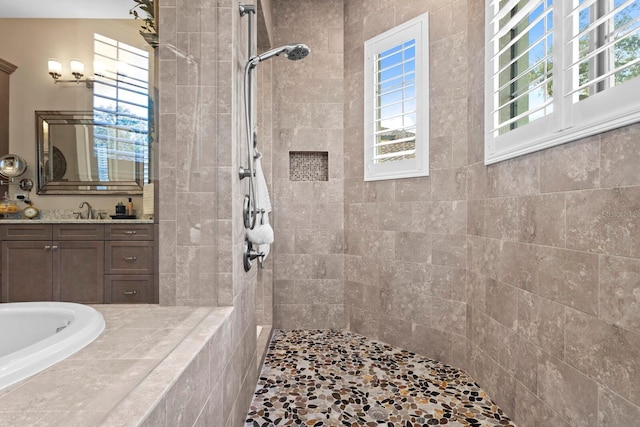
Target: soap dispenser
{"x": 130, "y": 210}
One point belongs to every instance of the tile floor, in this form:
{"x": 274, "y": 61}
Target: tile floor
{"x": 337, "y": 378}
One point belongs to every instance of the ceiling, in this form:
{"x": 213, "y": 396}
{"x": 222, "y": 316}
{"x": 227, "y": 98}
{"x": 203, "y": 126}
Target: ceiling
{"x": 96, "y": 9}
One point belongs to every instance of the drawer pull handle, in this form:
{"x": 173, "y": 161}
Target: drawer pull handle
{"x": 130, "y": 258}
{"x": 54, "y": 247}
{"x": 130, "y": 292}
{"x": 47, "y": 247}
{"x": 129, "y": 232}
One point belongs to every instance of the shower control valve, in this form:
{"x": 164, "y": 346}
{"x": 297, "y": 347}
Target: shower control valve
{"x": 250, "y": 254}
{"x": 245, "y": 173}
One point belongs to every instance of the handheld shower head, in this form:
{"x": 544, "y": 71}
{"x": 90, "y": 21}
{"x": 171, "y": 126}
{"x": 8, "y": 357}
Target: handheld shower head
{"x": 297, "y": 51}
{"x": 291, "y": 51}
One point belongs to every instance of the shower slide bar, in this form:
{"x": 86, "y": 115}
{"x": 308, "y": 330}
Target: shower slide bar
{"x": 249, "y": 213}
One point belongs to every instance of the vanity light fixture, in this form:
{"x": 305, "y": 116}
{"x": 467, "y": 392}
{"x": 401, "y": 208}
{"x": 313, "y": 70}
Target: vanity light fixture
{"x": 77, "y": 69}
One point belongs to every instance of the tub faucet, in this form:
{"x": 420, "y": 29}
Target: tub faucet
{"x": 89, "y": 210}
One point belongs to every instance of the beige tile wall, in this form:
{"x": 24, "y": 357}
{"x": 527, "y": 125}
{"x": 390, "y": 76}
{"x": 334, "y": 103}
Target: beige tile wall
{"x": 264, "y": 124}
{"x": 308, "y": 266}
{"x": 200, "y": 218}
{"x": 406, "y": 243}
{"x": 526, "y": 273}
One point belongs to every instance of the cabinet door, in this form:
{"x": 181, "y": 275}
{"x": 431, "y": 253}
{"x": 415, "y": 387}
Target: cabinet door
{"x": 78, "y": 271}
{"x": 26, "y": 271}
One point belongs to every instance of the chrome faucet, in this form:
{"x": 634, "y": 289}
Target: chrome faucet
{"x": 89, "y": 210}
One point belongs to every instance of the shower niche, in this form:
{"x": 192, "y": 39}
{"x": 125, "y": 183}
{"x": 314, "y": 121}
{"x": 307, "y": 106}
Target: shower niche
{"x": 308, "y": 166}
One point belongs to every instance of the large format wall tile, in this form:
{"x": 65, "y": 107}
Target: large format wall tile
{"x": 519, "y": 265}
{"x": 568, "y": 392}
{"x": 501, "y": 218}
{"x": 502, "y": 303}
{"x": 619, "y": 157}
{"x": 604, "y": 221}
{"x": 619, "y": 292}
{"x": 605, "y": 353}
{"x": 541, "y": 322}
{"x": 541, "y": 220}
{"x": 533, "y": 412}
{"x": 615, "y": 411}
{"x": 571, "y": 166}
{"x": 570, "y": 278}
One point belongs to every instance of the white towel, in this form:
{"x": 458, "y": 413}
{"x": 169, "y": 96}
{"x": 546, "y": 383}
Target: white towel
{"x": 262, "y": 233}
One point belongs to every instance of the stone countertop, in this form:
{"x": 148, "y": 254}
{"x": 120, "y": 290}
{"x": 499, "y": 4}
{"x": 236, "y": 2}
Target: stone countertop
{"x": 68, "y": 216}
{"x": 74, "y": 221}
{"x": 141, "y": 344}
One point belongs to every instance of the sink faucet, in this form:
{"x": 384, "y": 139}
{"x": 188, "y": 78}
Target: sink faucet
{"x": 89, "y": 210}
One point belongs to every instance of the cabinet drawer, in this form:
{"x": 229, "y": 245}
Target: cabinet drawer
{"x": 128, "y": 289}
{"x": 128, "y": 258}
{"x": 129, "y": 232}
{"x": 26, "y": 232}
{"x": 78, "y": 232}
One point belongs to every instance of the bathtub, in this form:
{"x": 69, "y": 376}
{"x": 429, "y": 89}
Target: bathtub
{"x": 36, "y": 335}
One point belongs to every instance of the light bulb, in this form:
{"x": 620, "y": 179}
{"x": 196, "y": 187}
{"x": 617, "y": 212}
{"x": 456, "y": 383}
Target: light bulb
{"x": 77, "y": 67}
{"x": 55, "y": 67}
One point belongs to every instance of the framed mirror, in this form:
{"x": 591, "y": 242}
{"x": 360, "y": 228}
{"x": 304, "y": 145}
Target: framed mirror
{"x": 88, "y": 152}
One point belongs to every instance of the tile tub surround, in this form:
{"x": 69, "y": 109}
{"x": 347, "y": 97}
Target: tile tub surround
{"x": 129, "y": 373}
{"x": 338, "y": 378}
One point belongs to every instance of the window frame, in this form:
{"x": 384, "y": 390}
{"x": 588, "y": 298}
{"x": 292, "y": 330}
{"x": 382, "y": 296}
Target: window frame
{"x": 123, "y": 84}
{"x": 612, "y": 108}
{"x": 418, "y": 29}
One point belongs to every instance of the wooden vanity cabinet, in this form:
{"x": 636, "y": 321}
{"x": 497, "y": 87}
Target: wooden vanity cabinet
{"x": 129, "y": 262}
{"x": 52, "y": 262}
{"x": 86, "y": 263}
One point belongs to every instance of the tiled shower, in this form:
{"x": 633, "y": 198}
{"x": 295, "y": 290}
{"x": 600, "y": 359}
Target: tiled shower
{"x": 524, "y": 273}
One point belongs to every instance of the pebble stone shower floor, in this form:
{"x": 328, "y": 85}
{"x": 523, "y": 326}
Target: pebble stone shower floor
{"x": 338, "y": 378}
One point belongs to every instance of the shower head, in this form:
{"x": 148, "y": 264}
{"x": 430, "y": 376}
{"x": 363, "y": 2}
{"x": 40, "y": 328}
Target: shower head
{"x": 291, "y": 51}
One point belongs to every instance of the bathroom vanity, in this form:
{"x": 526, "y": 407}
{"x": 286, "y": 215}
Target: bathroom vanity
{"x": 87, "y": 262}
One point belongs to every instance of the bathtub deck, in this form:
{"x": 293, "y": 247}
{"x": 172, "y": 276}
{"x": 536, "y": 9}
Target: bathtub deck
{"x": 337, "y": 378}
{"x": 84, "y": 389}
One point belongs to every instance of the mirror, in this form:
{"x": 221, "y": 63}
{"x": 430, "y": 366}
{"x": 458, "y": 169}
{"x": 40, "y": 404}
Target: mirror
{"x": 81, "y": 152}
{"x": 12, "y": 166}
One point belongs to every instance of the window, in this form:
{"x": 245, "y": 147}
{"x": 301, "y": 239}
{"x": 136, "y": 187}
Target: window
{"x": 558, "y": 71}
{"x": 121, "y": 110}
{"x": 396, "y": 102}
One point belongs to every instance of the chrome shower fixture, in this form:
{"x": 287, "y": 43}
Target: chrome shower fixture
{"x": 293, "y": 52}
